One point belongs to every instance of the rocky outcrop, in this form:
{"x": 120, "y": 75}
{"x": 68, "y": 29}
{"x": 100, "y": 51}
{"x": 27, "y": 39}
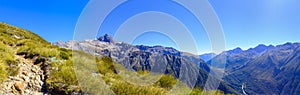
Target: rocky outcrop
{"x": 106, "y": 38}
{"x": 29, "y": 80}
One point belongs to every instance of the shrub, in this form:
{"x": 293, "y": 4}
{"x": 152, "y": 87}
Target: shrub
{"x": 199, "y": 91}
{"x": 64, "y": 73}
{"x": 123, "y": 88}
{"x": 64, "y": 55}
{"x": 167, "y": 81}
{"x": 105, "y": 65}
{"x": 62, "y": 77}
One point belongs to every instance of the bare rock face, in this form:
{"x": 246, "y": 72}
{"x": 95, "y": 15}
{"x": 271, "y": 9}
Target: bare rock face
{"x": 106, "y": 38}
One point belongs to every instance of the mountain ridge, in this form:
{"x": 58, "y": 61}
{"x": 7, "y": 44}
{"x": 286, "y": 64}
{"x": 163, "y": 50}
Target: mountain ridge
{"x": 140, "y": 57}
{"x": 263, "y": 68}
{"x": 237, "y": 60}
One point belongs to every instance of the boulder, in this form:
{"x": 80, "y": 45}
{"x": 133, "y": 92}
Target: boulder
{"x": 20, "y": 85}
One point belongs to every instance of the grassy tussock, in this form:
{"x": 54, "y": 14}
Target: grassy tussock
{"x": 3, "y": 72}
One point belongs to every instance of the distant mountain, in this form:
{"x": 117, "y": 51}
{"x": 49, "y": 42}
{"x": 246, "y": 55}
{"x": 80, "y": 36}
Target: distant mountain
{"x": 264, "y": 69}
{"x": 237, "y": 57}
{"x": 208, "y": 56}
{"x": 234, "y": 51}
{"x": 184, "y": 66}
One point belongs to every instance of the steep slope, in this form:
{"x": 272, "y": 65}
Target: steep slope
{"x": 26, "y": 64}
{"x": 22, "y": 66}
{"x": 236, "y": 58}
{"x": 289, "y": 79}
{"x": 276, "y": 71}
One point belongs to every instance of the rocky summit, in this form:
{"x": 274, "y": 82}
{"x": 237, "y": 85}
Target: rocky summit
{"x": 106, "y": 38}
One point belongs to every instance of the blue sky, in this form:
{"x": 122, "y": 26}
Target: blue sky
{"x": 246, "y": 23}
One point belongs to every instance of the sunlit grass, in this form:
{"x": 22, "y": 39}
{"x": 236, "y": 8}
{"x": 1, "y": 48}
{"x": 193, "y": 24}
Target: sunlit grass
{"x": 3, "y": 72}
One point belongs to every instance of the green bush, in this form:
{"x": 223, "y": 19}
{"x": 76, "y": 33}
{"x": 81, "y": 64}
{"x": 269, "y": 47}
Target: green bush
{"x": 62, "y": 77}
{"x": 105, "y": 65}
{"x": 123, "y": 88}
{"x": 199, "y": 91}
{"x": 64, "y": 73}
{"x": 64, "y": 55}
{"x": 167, "y": 81}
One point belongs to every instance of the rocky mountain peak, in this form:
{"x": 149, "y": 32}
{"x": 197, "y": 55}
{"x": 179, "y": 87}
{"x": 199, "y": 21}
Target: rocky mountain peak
{"x": 106, "y": 38}
{"x": 261, "y": 48}
{"x": 235, "y": 51}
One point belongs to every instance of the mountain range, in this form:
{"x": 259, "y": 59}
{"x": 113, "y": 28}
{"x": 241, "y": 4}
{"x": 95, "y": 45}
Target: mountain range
{"x": 262, "y": 69}
{"x": 184, "y": 66}
{"x": 31, "y": 65}
{"x": 271, "y": 70}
